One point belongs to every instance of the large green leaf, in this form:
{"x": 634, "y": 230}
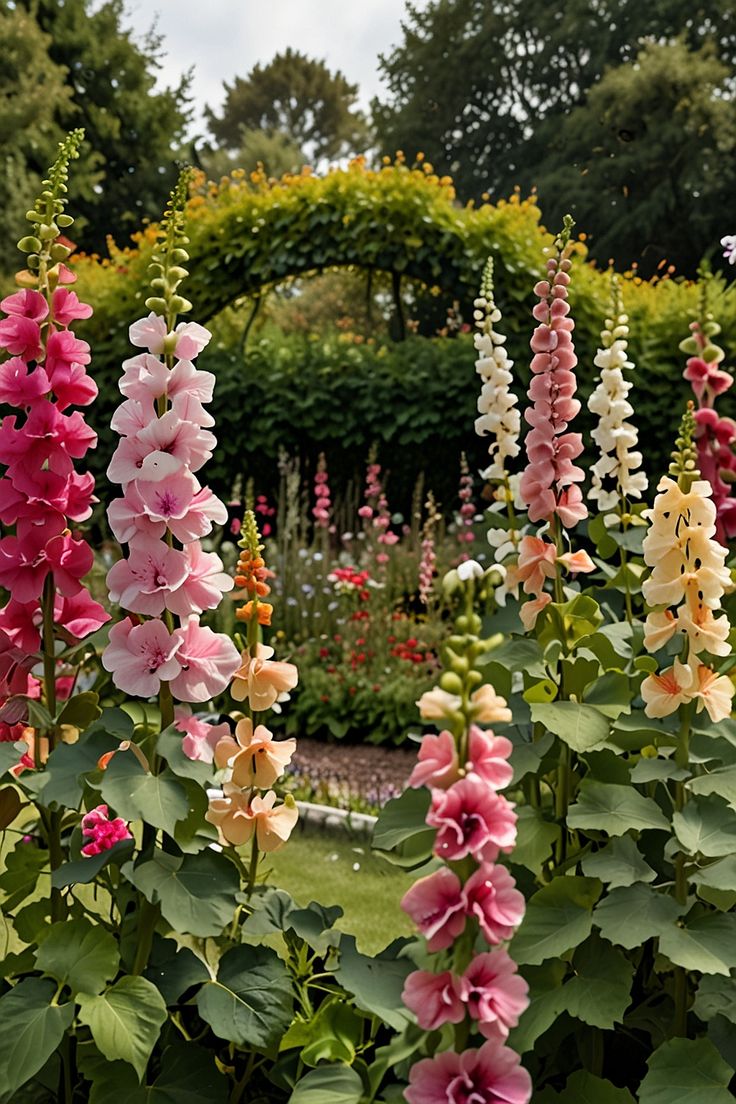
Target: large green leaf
{"x": 79, "y": 954}
{"x": 528, "y": 754}
{"x": 174, "y": 969}
{"x": 125, "y": 1020}
{"x": 705, "y": 944}
{"x": 251, "y": 1002}
{"x": 32, "y": 1029}
{"x": 197, "y": 893}
{"x": 718, "y": 875}
{"x": 401, "y": 818}
{"x": 721, "y": 781}
{"x": 658, "y": 770}
{"x": 535, "y": 838}
{"x": 375, "y": 981}
{"x": 581, "y": 727}
{"x": 546, "y": 1002}
{"x": 619, "y": 863}
{"x": 686, "y": 1071}
{"x": 328, "y": 1085}
{"x": 332, "y": 1034}
{"x": 586, "y": 1088}
{"x": 10, "y": 755}
{"x": 716, "y": 997}
{"x": 706, "y": 826}
{"x": 134, "y": 793}
{"x": 610, "y": 694}
{"x": 169, "y": 744}
{"x": 614, "y": 809}
{"x": 84, "y": 870}
{"x": 188, "y": 1076}
{"x": 557, "y": 918}
{"x": 630, "y": 915}
{"x": 600, "y": 992}
{"x": 23, "y": 868}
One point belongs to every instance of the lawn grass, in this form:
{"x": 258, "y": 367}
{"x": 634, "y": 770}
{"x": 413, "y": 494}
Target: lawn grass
{"x": 340, "y": 869}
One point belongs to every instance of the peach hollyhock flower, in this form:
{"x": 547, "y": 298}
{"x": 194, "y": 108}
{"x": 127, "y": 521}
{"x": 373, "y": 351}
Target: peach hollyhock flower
{"x": 490, "y": 1075}
{"x": 665, "y": 692}
{"x": 237, "y": 818}
{"x": 255, "y": 757}
{"x": 530, "y": 611}
{"x": 537, "y": 559}
{"x": 706, "y": 632}
{"x": 438, "y": 705}
{"x": 576, "y": 562}
{"x": 433, "y": 998}
{"x": 659, "y": 627}
{"x": 262, "y": 680}
{"x": 488, "y": 707}
{"x": 712, "y": 691}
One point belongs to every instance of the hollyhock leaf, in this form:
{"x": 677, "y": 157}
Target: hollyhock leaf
{"x": 658, "y": 770}
{"x": 686, "y": 1071}
{"x": 719, "y": 875}
{"x": 332, "y": 1035}
{"x": 558, "y": 917}
{"x": 614, "y": 809}
{"x": 314, "y": 925}
{"x": 169, "y": 744}
{"x": 197, "y": 893}
{"x": 125, "y": 1020}
{"x": 619, "y": 863}
{"x": 546, "y": 1002}
{"x": 79, "y": 955}
{"x": 535, "y": 838}
{"x": 157, "y": 799}
{"x": 18, "y": 880}
{"x": 580, "y": 726}
{"x": 376, "y": 983}
{"x": 328, "y": 1085}
{"x": 270, "y": 915}
{"x": 610, "y": 694}
{"x": 174, "y": 969}
{"x": 10, "y": 755}
{"x": 528, "y": 754}
{"x": 10, "y": 806}
{"x": 401, "y": 818}
{"x": 704, "y": 944}
{"x": 81, "y": 710}
{"x": 706, "y": 826}
{"x": 251, "y": 1002}
{"x": 194, "y": 833}
{"x": 37, "y": 1030}
{"x": 586, "y": 1088}
{"x": 85, "y": 870}
{"x": 110, "y": 1080}
{"x": 600, "y": 992}
{"x": 721, "y": 781}
{"x": 188, "y": 1076}
{"x": 63, "y": 779}
{"x": 630, "y": 915}
{"x": 716, "y": 997}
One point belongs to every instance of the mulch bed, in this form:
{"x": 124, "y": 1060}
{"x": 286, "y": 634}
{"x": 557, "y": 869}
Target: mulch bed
{"x": 373, "y": 773}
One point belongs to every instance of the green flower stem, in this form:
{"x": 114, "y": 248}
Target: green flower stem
{"x": 252, "y": 866}
{"x": 682, "y": 759}
{"x": 627, "y": 592}
{"x": 52, "y": 820}
{"x": 148, "y": 917}
{"x": 562, "y": 800}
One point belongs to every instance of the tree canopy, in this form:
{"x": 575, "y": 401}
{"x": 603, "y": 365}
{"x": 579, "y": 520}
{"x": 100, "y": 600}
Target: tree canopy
{"x": 297, "y": 97}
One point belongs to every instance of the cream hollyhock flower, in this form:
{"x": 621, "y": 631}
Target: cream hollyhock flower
{"x": 664, "y": 693}
{"x": 614, "y": 474}
{"x": 713, "y": 692}
{"x": 498, "y": 415}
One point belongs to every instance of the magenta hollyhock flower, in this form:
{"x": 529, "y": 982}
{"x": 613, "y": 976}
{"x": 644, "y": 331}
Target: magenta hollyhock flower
{"x": 37, "y": 549}
{"x": 21, "y": 386}
{"x": 141, "y": 657}
{"x": 21, "y": 337}
{"x": 435, "y": 903}
{"x": 491, "y": 896}
{"x": 490, "y": 1075}
{"x": 102, "y": 832}
{"x": 145, "y": 582}
{"x": 26, "y": 303}
{"x": 494, "y": 993}
{"x": 471, "y": 819}
{"x": 433, "y": 998}
{"x": 207, "y": 662}
{"x": 79, "y": 614}
{"x": 200, "y": 737}
{"x": 63, "y": 350}
{"x": 437, "y": 762}
{"x": 66, "y": 307}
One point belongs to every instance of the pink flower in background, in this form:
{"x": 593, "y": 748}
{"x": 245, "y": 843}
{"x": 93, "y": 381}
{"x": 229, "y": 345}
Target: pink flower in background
{"x": 471, "y": 820}
{"x": 102, "y": 832}
{"x": 494, "y": 993}
{"x": 490, "y": 1075}
{"x": 491, "y": 896}
{"x": 433, "y": 998}
{"x": 141, "y": 657}
{"x": 207, "y": 662}
{"x": 435, "y": 903}
{"x": 200, "y": 737}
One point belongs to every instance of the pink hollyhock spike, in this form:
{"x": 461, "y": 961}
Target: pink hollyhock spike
{"x": 66, "y": 307}
{"x": 488, "y": 757}
{"x": 64, "y": 349}
{"x": 185, "y": 379}
{"x": 191, "y": 339}
{"x": 79, "y": 614}
{"x": 24, "y": 563}
{"x": 27, "y": 304}
{"x": 144, "y": 377}
{"x": 491, "y": 896}
{"x": 490, "y": 1075}
{"x": 200, "y": 737}
{"x": 132, "y": 416}
{"x": 102, "y": 832}
{"x": 127, "y": 515}
{"x": 494, "y": 993}
{"x": 437, "y": 762}
{"x": 146, "y": 581}
{"x": 203, "y": 585}
{"x": 433, "y": 998}
{"x": 471, "y": 820}
{"x": 207, "y": 662}
{"x": 19, "y": 386}
{"x": 149, "y": 333}
{"x": 21, "y": 337}
{"x": 20, "y": 621}
{"x": 183, "y": 441}
{"x": 69, "y": 560}
{"x": 72, "y": 386}
{"x": 141, "y": 657}
{"x": 436, "y": 905}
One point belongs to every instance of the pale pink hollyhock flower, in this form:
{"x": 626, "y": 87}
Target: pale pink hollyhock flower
{"x": 488, "y": 707}
{"x": 237, "y": 818}
{"x": 262, "y": 680}
{"x": 488, "y": 756}
{"x": 184, "y": 441}
{"x": 203, "y": 585}
{"x": 169, "y": 499}
{"x": 191, "y": 339}
{"x": 128, "y": 515}
{"x": 200, "y": 738}
{"x": 132, "y": 416}
{"x": 102, "y": 832}
{"x": 190, "y": 409}
{"x": 437, "y": 762}
{"x": 435, "y": 904}
{"x": 255, "y": 757}
{"x": 146, "y": 581}
{"x": 490, "y": 1075}
{"x": 491, "y": 896}
{"x": 471, "y": 820}
{"x": 19, "y": 386}
{"x": 137, "y": 459}
{"x": 185, "y": 379}
{"x": 66, "y": 307}
{"x": 531, "y": 610}
{"x": 433, "y": 998}
{"x": 205, "y": 511}
{"x": 144, "y": 377}
{"x": 207, "y": 662}
{"x": 149, "y": 333}
{"x": 141, "y": 657}
{"x": 26, "y": 303}
{"x": 494, "y": 993}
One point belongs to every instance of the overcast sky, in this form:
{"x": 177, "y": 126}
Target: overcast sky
{"x": 221, "y": 39}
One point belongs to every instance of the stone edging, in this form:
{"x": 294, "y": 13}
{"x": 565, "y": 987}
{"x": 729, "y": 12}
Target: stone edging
{"x": 331, "y": 819}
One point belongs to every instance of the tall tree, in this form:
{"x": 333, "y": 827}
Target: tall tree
{"x": 298, "y": 97}
{"x": 482, "y": 87}
{"x": 649, "y": 161}
{"x": 133, "y": 129}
